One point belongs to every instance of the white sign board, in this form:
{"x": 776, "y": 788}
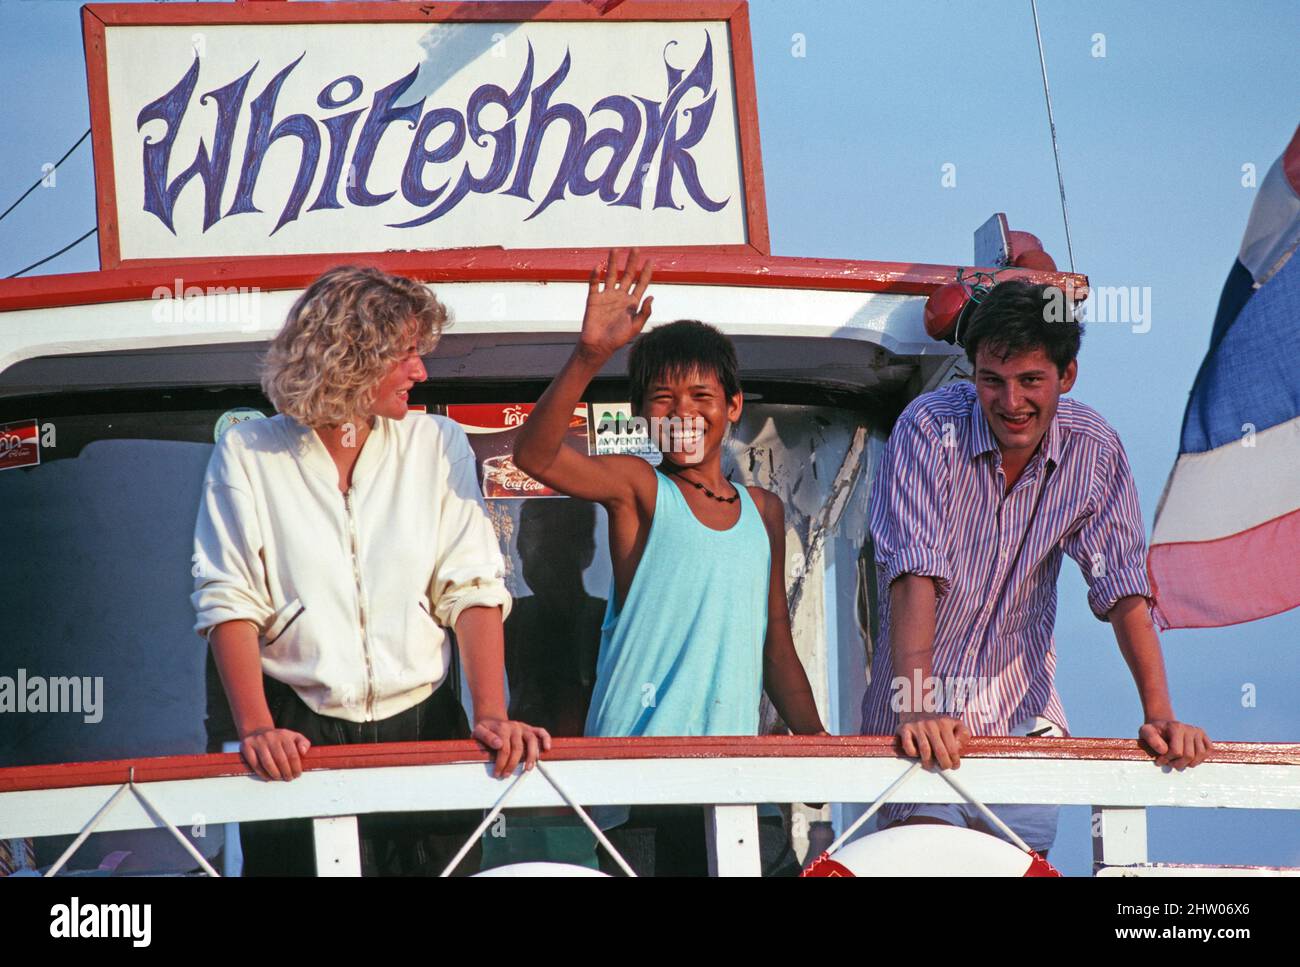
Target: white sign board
{"x": 275, "y": 138}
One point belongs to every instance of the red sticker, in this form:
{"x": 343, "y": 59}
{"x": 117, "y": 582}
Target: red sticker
{"x": 19, "y": 445}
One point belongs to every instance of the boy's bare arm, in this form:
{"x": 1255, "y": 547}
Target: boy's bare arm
{"x": 612, "y": 320}
{"x": 1175, "y": 743}
{"x": 784, "y": 677}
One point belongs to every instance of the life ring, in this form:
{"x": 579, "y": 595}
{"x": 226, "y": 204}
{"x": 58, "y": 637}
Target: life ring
{"x": 930, "y": 850}
{"x": 541, "y": 869}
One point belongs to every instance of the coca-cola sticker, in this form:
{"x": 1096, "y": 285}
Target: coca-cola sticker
{"x": 19, "y": 445}
{"x": 492, "y": 429}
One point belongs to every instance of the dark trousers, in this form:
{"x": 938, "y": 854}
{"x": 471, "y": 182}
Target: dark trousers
{"x": 392, "y": 844}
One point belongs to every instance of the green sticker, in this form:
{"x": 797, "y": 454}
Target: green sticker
{"x": 240, "y": 414}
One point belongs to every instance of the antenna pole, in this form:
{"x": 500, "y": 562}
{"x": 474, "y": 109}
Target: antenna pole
{"x": 1051, "y": 123}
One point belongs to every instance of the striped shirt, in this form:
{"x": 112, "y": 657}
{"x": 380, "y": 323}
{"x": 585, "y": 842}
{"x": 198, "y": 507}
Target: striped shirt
{"x": 939, "y": 508}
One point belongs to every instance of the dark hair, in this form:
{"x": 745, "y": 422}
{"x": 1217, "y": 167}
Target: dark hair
{"x": 1016, "y": 316}
{"x": 677, "y": 349}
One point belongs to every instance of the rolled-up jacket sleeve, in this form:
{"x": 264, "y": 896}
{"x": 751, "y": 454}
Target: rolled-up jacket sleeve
{"x": 469, "y": 571}
{"x": 1110, "y": 545}
{"x": 228, "y": 567}
{"x": 909, "y": 523}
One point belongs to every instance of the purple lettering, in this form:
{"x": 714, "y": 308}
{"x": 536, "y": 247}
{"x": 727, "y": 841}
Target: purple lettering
{"x": 382, "y": 114}
{"x": 593, "y": 162}
{"x": 661, "y": 124}
{"x": 621, "y": 141}
{"x": 339, "y": 129}
{"x": 260, "y": 137}
{"x": 413, "y": 189}
{"x": 542, "y": 115}
{"x": 503, "y": 154}
{"x": 159, "y": 195}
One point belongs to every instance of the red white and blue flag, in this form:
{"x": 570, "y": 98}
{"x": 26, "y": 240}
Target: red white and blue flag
{"x": 1226, "y": 545}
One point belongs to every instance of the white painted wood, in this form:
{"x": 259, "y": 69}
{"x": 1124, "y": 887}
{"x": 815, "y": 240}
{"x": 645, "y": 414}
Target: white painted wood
{"x": 1197, "y": 871}
{"x": 232, "y": 850}
{"x": 732, "y": 833}
{"x": 725, "y": 781}
{"x": 1119, "y": 835}
{"x": 894, "y": 322}
{"x": 338, "y": 848}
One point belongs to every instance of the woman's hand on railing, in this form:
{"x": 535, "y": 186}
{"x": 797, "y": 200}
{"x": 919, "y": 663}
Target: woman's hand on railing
{"x": 1175, "y": 743}
{"x": 512, "y": 741}
{"x": 274, "y": 753}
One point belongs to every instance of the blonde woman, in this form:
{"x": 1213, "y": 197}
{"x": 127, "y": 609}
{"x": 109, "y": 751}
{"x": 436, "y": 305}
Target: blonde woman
{"x": 335, "y": 545}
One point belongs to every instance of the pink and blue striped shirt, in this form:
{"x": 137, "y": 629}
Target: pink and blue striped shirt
{"x": 939, "y": 508}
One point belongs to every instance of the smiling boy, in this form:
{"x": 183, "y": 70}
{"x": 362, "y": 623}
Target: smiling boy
{"x": 983, "y": 488}
{"x": 697, "y": 623}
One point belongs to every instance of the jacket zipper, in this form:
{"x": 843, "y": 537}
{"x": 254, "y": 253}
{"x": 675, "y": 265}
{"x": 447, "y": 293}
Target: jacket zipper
{"x": 361, "y": 607}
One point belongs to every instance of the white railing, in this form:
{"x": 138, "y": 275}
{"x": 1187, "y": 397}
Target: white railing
{"x": 730, "y": 775}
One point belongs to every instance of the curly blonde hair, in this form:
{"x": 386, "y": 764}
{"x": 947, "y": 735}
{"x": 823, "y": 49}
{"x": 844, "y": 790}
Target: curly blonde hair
{"x": 341, "y": 338}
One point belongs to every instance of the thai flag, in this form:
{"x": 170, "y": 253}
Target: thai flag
{"x": 1226, "y": 546}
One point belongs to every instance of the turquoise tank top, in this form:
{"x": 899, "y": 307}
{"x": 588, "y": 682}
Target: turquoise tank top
{"x": 684, "y": 653}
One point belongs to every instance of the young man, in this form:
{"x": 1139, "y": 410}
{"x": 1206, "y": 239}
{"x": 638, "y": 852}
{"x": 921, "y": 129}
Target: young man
{"x": 982, "y": 488}
{"x": 697, "y": 623}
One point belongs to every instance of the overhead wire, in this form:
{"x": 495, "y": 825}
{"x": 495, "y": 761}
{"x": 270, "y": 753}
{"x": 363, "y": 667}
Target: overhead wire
{"x": 54, "y": 256}
{"x": 39, "y": 182}
{"x": 43, "y": 177}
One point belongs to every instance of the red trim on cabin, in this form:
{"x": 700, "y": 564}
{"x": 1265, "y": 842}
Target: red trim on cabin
{"x": 751, "y": 152}
{"x": 96, "y": 17}
{"x": 101, "y": 137}
{"x": 68, "y": 775}
{"x": 695, "y": 266}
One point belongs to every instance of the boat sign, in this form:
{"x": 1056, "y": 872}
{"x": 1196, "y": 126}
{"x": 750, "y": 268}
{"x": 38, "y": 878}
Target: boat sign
{"x": 341, "y": 135}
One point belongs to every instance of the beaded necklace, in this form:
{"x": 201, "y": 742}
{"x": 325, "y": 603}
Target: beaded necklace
{"x": 699, "y": 486}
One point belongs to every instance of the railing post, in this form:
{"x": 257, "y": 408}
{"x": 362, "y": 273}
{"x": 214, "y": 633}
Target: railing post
{"x": 732, "y": 833}
{"x": 338, "y": 850}
{"x": 1119, "y": 835}
{"x": 232, "y": 848}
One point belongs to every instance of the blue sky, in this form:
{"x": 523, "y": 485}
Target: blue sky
{"x": 855, "y": 134}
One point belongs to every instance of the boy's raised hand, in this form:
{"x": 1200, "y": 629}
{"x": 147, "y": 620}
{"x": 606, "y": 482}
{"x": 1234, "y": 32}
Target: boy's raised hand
{"x": 612, "y": 319}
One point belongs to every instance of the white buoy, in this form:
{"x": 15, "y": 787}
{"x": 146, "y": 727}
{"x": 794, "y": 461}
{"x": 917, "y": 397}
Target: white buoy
{"x": 926, "y": 850}
{"x": 541, "y": 869}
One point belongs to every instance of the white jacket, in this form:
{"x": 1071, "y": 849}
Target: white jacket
{"x": 350, "y": 593}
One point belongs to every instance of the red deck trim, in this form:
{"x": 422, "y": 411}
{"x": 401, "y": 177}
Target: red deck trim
{"x": 69, "y": 775}
{"x": 732, "y": 266}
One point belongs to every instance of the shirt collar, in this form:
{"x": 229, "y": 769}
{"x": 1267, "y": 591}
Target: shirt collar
{"x": 982, "y": 439}
{"x": 312, "y": 453}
